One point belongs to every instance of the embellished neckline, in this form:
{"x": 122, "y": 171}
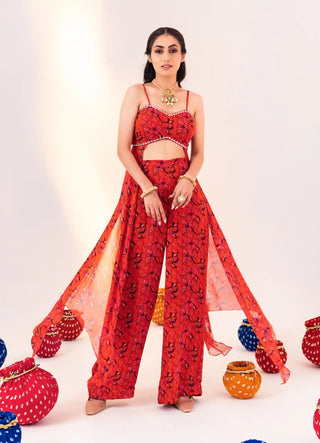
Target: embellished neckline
{"x": 165, "y": 112}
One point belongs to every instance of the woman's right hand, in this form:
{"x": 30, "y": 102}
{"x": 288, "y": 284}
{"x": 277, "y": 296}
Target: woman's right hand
{"x": 154, "y": 208}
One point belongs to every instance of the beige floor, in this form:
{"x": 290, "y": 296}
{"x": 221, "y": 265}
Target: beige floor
{"x": 277, "y": 414}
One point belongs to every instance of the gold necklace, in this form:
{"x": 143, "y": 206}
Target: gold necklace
{"x": 167, "y": 93}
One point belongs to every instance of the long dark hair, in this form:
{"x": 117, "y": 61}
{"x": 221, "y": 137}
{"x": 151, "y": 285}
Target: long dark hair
{"x": 149, "y": 72}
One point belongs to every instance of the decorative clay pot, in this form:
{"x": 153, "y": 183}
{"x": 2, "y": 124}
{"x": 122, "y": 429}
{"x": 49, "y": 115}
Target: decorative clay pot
{"x": 50, "y": 344}
{"x": 241, "y": 379}
{"x": 157, "y": 316}
{"x": 247, "y": 336}
{"x": 265, "y": 362}
{"x": 10, "y": 431}
{"x": 316, "y": 419}
{"x": 70, "y": 326}
{"x": 253, "y": 440}
{"x": 28, "y": 391}
{"x": 311, "y": 341}
{"x": 3, "y": 352}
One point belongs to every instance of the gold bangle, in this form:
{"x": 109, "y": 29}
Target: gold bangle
{"x": 193, "y": 181}
{"x": 148, "y": 191}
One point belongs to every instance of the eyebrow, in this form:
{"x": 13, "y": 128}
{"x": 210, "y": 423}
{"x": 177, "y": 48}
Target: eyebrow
{"x": 159, "y": 46}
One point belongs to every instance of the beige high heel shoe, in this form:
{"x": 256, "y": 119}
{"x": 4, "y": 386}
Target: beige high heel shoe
{"x": 93, "y": 406}
{"x": 185, "y": 404}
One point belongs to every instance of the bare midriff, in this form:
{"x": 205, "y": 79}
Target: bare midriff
{"x": 163, "y": 150}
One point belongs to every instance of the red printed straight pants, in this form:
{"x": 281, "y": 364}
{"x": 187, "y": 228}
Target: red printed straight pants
{"x": 185, "y": 237}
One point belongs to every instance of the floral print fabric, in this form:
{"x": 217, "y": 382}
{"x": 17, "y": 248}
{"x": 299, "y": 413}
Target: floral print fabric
{"x": 131, "y": 304}
{"x": 154, "y": 124}
{"x": 105, "y": 271}
{"x": 161, "y": 125}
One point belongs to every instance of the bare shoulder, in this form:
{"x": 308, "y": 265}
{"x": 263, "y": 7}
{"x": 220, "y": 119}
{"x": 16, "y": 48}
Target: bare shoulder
{"x": 136, "y": 87}
{"x": 196, "y": 103}
{"x": 132, "y": 97}
{"x": 196, "y": 98}
{"x": 134, "y": 90}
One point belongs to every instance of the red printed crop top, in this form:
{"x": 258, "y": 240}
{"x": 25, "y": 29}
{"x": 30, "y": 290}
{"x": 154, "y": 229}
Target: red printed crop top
{"x": 154, "y": 124}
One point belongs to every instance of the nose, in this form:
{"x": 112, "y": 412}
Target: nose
{"x": 166, "y": 56}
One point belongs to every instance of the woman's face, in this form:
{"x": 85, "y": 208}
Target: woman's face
{"x": 166, "y": 55}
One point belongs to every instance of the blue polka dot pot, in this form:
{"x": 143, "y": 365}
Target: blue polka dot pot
{"x": 3, "y": 352}
{"x": 253, "y": 441}
{"x": 247, "y": 336}
{"x": 10, "y": 430}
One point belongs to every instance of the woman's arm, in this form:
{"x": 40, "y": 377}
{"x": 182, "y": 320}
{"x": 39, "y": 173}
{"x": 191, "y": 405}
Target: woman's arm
{"x": 185, "y": 187}
{"x": 197, "y": 141}
{"x": 128, "y": 112}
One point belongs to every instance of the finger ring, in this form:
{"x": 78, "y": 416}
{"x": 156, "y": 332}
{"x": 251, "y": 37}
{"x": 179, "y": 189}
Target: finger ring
{"x": 181, "y": 198}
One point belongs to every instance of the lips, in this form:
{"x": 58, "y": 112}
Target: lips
{"x": 166, "y": 66}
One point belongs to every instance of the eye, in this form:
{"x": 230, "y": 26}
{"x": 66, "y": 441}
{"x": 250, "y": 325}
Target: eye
{"x": 158, "y": 51}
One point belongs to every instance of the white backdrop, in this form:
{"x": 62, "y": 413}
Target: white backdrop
{"x": 65, "y": 66}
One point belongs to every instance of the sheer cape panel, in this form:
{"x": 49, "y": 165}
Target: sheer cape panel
{"x": 88, "y": 293}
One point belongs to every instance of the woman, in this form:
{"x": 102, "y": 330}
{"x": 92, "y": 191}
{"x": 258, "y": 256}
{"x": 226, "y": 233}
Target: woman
{"x": 162, "y": 210}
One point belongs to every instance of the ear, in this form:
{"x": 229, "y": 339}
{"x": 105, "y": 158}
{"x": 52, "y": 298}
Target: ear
{"x": 149, "y": 58}
{"x": 183, "y": 58}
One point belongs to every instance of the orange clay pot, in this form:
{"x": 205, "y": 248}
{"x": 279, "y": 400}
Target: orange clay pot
{"x": 157, "y": 316}
{"x": 241, "y": 379}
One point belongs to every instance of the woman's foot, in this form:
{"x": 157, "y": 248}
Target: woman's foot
{"x": 93, "y": 406}
{"x": 185, "y": 404}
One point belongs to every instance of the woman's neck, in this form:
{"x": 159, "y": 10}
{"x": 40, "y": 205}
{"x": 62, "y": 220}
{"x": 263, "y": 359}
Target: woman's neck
{"x": 165, "y": 80}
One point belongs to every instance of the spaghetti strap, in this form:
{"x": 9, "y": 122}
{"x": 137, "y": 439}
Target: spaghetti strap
{"x": 187, "y": 99}
{"x": 145, "y": 90}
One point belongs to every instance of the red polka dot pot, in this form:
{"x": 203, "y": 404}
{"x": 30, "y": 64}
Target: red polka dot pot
{"x": 265, "y": 362}
{"x": 316, "y": 419}
{"x": 70, "y": 326}
{"x": 28, "y": 391}
{"x": 311, "y": 341}
{"x": 50, "y": 344}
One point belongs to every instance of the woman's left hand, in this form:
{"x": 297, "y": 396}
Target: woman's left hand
{"x": 183, "y": 187}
